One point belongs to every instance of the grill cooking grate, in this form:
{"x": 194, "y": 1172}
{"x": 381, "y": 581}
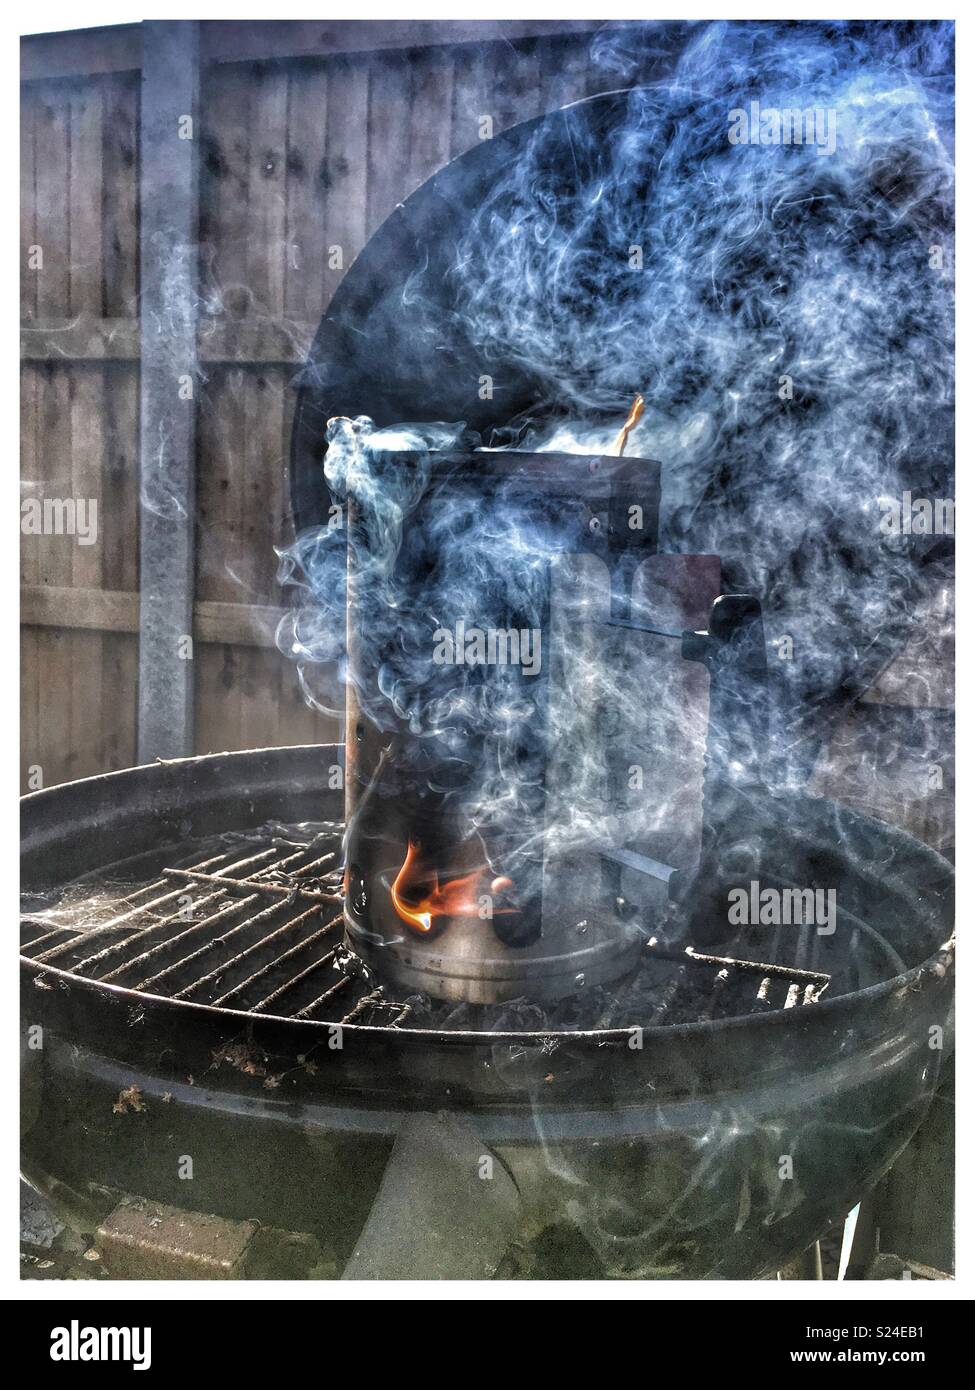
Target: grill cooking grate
{"x": 261, "y": 932}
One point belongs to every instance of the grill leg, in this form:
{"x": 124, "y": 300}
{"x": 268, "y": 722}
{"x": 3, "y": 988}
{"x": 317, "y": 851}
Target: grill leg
{"x": 447, "y": 1208}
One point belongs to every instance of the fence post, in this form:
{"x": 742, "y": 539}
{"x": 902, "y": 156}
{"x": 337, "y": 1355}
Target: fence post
{"x": 168, "y": 253}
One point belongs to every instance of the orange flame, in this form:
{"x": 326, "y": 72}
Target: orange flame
{"x": 456, "y": 898}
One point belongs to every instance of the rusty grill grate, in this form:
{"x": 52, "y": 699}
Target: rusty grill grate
{"x": 261, "y": 932}
{"x": 757, "y": 986}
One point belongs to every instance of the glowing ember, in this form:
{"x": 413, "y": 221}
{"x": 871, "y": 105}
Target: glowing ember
{"x": 458, "y": 897}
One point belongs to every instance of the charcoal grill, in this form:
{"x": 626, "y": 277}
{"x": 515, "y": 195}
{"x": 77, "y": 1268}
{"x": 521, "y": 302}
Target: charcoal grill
{"x": 218, "y": 1013}
{"x": 641, "y": 1148}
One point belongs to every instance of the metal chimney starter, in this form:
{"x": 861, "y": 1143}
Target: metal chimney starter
{"x": 464, "y": 912}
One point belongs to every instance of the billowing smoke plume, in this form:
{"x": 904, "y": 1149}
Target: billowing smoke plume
{"x": 786, "y": 310}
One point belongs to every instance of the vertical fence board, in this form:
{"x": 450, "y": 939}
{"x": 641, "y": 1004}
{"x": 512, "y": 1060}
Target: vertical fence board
{"x": 120, "y": 671}
{"x": 219, "y": 501}
{"x": 307, "y": 176}
{"x": 263, "y": 486}
{"x": 87, "y": 469}
{"x": 52, "y": 231}
{"x": 224, "y": 187}
{"x": 49, "y": 562}
{"x": 54, "y": 459}
{"x": 218, "y": 698}
{"x": 259, "y": 706}
{"x": 120, "y": 196}
{"x": 267, "y": 189}
{"x": 85, "y": 197}
{"x": 119, "y": 513}
{"x": 52, "y": 749}
{"x": 347, "y": 171}
{"x": 85, "y": 651}
{"x": 88, "y": 726}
